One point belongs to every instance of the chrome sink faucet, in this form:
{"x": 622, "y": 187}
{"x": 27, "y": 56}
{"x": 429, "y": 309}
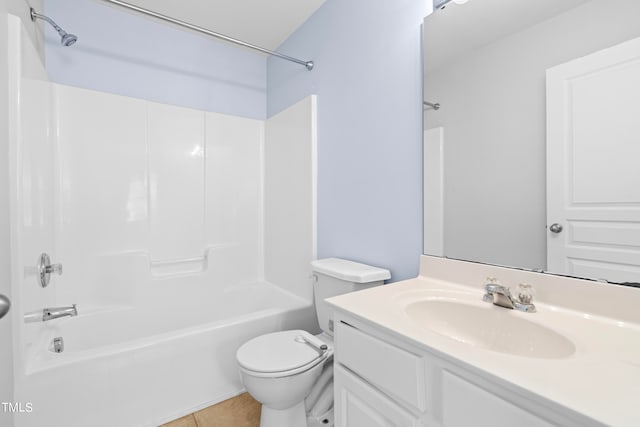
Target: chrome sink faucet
{"x": 57, "y": 312}
{"x": 501, "y": 296}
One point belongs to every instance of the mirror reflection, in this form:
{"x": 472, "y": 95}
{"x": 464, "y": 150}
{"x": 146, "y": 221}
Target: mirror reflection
{"x": 532, "y": 135}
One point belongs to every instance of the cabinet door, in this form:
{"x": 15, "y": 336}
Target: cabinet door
{"x": 466, "y": 404}
{"x": 360, "y": 405}
{"x": 365, "y": 354}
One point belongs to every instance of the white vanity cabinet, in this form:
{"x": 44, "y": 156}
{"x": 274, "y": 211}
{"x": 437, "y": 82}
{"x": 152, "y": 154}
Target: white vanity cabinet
{"x": 359, "y": 404}
{"x": 383, "y": 380}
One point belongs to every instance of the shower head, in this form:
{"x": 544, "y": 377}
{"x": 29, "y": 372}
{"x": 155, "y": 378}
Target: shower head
{"x": 66, "y": 39}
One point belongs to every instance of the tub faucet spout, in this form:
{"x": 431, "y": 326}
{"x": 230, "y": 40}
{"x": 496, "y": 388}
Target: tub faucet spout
{"x": 57, "y": 312}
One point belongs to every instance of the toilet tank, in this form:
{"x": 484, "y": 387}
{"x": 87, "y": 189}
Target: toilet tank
{"x": 334, "y": 276}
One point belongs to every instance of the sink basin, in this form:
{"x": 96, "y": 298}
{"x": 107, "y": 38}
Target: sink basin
{"x": 489, "y": 327}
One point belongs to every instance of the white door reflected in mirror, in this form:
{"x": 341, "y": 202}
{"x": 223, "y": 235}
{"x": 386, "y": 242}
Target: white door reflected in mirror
{"x": 485, "y": 64}
{"x": 593, "y": 136}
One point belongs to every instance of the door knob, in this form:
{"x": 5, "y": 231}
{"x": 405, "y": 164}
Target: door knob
{"x": 5, "y": 305}
{"x": 555, "y": 228}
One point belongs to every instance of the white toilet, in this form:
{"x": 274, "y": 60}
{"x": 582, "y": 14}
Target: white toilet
{"x": 280, "y": 369}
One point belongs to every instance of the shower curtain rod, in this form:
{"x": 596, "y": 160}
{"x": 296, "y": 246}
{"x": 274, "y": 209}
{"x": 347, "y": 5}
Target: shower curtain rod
{"x": 307, "y": 64}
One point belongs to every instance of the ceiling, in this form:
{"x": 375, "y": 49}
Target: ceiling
{"x": 460, "y": 28}
{"x": 266, "y": 23}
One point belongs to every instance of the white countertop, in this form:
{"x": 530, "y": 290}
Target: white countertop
{"x": 601, "y": 379}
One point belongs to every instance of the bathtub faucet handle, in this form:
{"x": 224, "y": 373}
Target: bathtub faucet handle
{"x": 45, "y": 269}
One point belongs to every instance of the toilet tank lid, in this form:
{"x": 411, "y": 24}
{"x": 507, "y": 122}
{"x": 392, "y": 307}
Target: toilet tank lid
{"x": 349, "y": 270}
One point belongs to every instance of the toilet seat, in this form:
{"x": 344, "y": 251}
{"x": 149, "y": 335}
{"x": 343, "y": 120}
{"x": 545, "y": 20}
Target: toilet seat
{"x": 281, "y": 354}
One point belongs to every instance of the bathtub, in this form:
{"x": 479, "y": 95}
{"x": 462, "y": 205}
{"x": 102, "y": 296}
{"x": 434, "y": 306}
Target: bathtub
{"x": 143, "y": 366}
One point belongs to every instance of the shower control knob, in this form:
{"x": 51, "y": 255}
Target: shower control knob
{"x": 555, "y": 228}
{"x": 45, "y": 269}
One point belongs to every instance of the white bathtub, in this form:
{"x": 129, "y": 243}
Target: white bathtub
{"x": 147, "y": 365}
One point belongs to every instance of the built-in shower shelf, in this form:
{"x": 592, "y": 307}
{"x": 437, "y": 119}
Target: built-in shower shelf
{"x": 184, "y": 266}
{"x": 178, "y": 266}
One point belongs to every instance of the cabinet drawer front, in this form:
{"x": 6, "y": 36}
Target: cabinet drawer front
{"x": 390, "y": 368}
{"x": 466, "y": 404}
{"x": 360, "y": 405}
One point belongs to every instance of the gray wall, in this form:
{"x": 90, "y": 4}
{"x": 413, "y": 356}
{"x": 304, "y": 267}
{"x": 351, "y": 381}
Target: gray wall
{"x": 493, "y": 111}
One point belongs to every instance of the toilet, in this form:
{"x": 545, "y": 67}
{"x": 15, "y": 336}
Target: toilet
{"x": 283, "y": 369}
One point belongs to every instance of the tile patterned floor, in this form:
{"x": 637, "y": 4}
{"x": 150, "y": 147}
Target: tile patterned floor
{"x": 240, "y": 411}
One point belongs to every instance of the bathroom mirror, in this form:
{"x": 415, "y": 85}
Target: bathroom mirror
{"x": 503, "y": 80}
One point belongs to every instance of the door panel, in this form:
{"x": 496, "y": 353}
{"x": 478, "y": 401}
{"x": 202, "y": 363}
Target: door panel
{"x": 593, "y": 178}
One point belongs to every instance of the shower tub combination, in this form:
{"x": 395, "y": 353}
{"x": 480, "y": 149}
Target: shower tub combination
{"x": 148, "y": 365}
{"x": 182, "y": 234}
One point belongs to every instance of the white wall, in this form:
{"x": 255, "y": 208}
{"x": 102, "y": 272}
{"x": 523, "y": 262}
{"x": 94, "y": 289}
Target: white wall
{"x": 234, "y": 200}
{"x": 162, "y": 181}
{"x": 493, "y": 114}
{"x": 8, "y": 268}
{"x": 290, "y": 206}
{"x": 32, "y": 182}
{"x": 20, "y": 72}
{"x": 6, "y": 355}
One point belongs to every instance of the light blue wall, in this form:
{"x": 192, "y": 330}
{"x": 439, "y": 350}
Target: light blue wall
{"x": 126, "y": 54}
{"x": 368, "y": 78}
{"x": 369, "y": 83}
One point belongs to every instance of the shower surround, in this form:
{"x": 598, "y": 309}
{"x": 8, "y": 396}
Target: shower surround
{"x": 182, "y": 233}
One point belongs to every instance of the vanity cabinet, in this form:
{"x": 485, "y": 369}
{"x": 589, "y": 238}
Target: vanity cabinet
{"x": 359, "y": 404}
{"x": 382, "y": 380}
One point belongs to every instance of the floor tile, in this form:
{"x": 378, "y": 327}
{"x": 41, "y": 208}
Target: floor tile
{"x": 188, "y": 421}
{"x": 240, "y": 411}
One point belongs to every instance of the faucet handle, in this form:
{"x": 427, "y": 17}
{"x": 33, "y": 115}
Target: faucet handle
{"x": 493, "y": 285}
{"x": 45, "y": 269}
{"x": 525, "y": 293}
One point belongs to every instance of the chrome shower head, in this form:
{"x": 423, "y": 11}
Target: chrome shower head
{"x": 66, "y": 39}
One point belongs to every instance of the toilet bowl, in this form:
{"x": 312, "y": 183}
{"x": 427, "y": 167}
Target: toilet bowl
{"x": 280, "y": 369}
